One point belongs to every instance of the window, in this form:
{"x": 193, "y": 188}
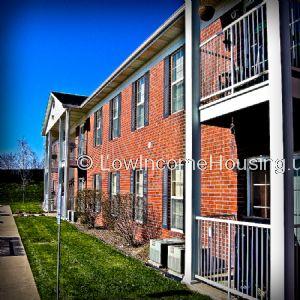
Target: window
{"x": 139, "y": 196}
{"x": 98, "y": 128}
{"x": 81, "y": 184}
{"x": 259, "y": 189}
{"x": 115, "y": 117}
{"x": 97, "y": 188}
{"x": 114, "y": 194}
{"x": 177, "y": 198}
{"x": 140, "y": 103}
{"x": 81, "y": 141}
{"x": 177, "y": 81}
{"x": 97, "y": 182}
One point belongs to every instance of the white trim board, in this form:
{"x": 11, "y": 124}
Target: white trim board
{"x": 234, "y": 104}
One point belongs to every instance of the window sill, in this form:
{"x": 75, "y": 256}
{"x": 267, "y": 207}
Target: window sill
{"x": 177, "y": 112}
{"x": 177, "y": 230}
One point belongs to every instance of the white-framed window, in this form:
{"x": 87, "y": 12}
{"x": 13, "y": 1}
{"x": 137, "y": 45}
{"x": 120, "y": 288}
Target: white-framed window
{"x": 81, "y": 184}
{"x": 81, "y": 141}
{"x": 177, "y": 205}
{"x": 114, "y": 195}
{"x": 98, "y": 127}
{"x": 97, "y": 188}
{"x": 115, "y": 117}
{"x": 258, "y": 187}
{"x": 177, "y": 81}
{"x": 139, "y": 196}
{"x": 140, "y": 102}
{"x": 97, "y": 182}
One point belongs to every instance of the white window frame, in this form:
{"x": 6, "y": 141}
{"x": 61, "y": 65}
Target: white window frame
{"x": 81, "y": 183}
{"x": 176, "y": 198}
{"x": 178, "y": 80}
{"x": 115, "y": 117}
{"x": 139, "y": 195}
{"x": 140, "y": 99}
{"x": 98, "y": 125}
{"x": 81, "y": 140}
{"x": 97, "y": 181}
{"x": 250, "y": 206}
{"x": 113, "y": 186}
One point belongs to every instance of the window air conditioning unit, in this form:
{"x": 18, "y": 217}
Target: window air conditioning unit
{"x": 72, "y": 216}
{"x": 159, "y": 250}
{"x": 176, "y": 258}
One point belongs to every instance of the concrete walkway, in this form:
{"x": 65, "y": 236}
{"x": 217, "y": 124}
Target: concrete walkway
{"x": 16, "y": 279}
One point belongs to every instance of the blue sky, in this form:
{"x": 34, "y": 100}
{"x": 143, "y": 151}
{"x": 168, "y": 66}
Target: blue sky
{"x": 69, "y": 46}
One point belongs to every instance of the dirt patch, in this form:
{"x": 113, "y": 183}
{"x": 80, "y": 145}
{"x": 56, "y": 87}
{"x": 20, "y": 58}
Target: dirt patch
{"x": 114, "y": 239}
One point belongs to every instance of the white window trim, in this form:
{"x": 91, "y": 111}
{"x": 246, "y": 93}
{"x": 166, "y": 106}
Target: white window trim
{"x": 249, "y": 184}
{"x": 115, "y": 100}
{"x": 136, "y": 195}
{"x": 81, "y": 139}
{"x": 113, "y": 193}
{"x": 176, "y": 81}
{"x": 98, "y": 125}
{"x": 142, "y": 102}
{"x": 176, "y": 198}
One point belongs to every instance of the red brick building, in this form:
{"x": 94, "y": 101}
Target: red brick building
{"x": 148, "y": 108}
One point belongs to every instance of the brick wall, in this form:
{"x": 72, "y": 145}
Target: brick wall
{"x": 223, "y": 192}
{"x": 166, "y": 135}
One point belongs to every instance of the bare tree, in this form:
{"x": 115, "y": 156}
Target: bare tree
{"x": 26, "y": 160}
{"x": 7, "y": 161}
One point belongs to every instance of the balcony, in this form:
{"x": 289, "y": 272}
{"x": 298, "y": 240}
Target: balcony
{"x": 235, "y": 256}
{"x": 235, "y": 60}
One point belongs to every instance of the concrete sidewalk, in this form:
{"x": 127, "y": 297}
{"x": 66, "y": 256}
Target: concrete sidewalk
{"x": 16, "y": 279}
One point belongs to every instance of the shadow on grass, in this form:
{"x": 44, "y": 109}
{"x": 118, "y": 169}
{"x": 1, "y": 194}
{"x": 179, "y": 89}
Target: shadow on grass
{"x": 173, "y": 293}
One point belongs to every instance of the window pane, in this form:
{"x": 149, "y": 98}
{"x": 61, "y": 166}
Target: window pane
{"x": 140, "y": 116}
{"x": 177, "y": 66}
{"x": 177, "y": 214}
{"x": 115, "y": 127}
{"x": 141, "y": 90}
{"x": 177, "y": 96}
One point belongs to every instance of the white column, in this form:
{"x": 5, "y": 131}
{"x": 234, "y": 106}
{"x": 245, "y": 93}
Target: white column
{"x": 46, "y": 172}
{"x": 60, "y": 177}
{"x": 276, "y": 151}
{"x": 49, "y": 160}
{"x": 192, "y": 136}
{"x": 67, "y": 163}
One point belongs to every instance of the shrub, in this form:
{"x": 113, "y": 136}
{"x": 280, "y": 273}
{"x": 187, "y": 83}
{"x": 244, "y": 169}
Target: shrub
{"x": 88, "y": 206}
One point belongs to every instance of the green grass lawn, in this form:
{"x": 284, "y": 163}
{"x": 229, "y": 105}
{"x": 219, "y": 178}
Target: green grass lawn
{"x": 90, "y": 268}
{"x": 28, "y": 207}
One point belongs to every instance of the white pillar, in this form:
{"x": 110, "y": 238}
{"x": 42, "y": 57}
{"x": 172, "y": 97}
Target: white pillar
{"x": 60, "y": 177}
{"x": 46, "y": 172}
{"x": 66, "y": 163}
{"x": 276, "y": 151}
{"x": 49, "y": 160}
{"x": 192, "y": 136}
